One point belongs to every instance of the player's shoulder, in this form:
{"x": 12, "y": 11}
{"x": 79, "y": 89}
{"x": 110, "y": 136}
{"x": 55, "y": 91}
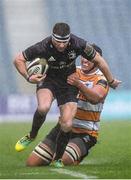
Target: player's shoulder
{"x": 38, "y": 49}
{"x": 100, "y": 74}
{"x": 101, "y": 79}
{"x": 42, "y": 43}
{"x": 46, "y": 41}
{"x": 97, "y": 75}
{"x": 77, "y": 41}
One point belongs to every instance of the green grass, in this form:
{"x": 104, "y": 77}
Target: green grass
{"x": 109, "y": 159}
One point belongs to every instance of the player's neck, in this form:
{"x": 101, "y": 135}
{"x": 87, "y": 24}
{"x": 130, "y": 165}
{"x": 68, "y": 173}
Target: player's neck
{"x": 88, "y": 72}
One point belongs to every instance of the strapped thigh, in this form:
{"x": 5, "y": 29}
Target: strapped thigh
{"x": 44, "y": 152}
{"x": 79, "y": 146}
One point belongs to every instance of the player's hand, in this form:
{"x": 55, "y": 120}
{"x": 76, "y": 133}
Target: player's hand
{"x": 73, "y": 79}
{"x": 36, "y": 78}
{"x": 115, "y": 83}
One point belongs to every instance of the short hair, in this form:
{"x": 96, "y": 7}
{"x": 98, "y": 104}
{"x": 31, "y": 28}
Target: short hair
{"x": 61, "y": 29}
{"x": 97, "y": 48}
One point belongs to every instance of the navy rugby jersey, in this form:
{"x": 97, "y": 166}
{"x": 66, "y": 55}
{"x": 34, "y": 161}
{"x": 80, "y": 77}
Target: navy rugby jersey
{"x": 61, "y": 64}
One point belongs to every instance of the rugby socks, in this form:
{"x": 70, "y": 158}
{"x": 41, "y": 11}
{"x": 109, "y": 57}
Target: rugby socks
{"x": 38, "y": 120}
{"x": 61, "y": 142}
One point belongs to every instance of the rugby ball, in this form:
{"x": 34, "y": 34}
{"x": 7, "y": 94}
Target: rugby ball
{"x": 37, "y": 66}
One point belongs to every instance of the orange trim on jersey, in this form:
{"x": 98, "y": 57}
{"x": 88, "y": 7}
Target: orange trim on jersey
{"x": 82, "y": 131}
{"x": 87, "y": 115}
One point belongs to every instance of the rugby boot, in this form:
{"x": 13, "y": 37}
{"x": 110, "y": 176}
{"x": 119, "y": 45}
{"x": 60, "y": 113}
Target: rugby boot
{"x": 23, "y": 143}
{"x": 58, "y": 163}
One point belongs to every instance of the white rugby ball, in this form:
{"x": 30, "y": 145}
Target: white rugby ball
{"x": 37, "y": 66}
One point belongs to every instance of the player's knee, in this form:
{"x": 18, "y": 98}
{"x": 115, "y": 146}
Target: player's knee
{"x": 43, "y": 109}
{"x": 72, "y": 155}
{"x": 34, "y": 160}
{"x": 66, "y": 125}
{"x": 41, "y": 156}
{"x": 30, "y": 162}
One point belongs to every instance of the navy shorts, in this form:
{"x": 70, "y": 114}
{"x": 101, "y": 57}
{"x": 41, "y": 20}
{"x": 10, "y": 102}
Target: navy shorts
{"x": 62, "y": 91}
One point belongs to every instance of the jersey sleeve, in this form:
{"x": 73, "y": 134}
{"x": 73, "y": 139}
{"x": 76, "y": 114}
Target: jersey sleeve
{"x": 103, "y": 82}
{"x": 83, "y": 47}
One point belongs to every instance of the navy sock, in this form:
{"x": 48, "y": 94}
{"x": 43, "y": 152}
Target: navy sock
{"x": 38, "y": 120}
{"x": 61, "y": 142}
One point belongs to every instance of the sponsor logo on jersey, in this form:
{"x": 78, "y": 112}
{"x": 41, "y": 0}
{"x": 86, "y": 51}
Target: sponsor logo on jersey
{"x": 72, "y": 55}
{"x": 62, "y": 63}
{"x": 89, "y": 84}
{"x": 51, "y": 59}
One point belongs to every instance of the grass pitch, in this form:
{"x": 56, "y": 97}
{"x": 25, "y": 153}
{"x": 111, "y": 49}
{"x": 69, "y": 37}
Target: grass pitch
{"x": 109, "y": 159}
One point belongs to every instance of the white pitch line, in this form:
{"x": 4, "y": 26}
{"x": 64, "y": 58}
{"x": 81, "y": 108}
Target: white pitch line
{"x": 94, "y": 162}
{"x": 60, "y": 171}
{"x": 73, "y": 173}
{"x": 29, "y": 173}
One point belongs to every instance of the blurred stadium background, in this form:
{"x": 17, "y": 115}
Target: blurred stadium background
{"x": 23, "y": 23}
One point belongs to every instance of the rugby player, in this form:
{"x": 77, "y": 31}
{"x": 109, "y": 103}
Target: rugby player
{"x": 60, "y": 50}
{"x": 93, "y": 90}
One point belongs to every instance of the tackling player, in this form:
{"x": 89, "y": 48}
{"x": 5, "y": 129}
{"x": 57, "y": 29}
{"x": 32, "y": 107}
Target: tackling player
{"x": 93, "y": 91}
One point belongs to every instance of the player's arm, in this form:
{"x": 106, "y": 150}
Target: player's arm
{"x": 103, "y": 66}
{"x": 20, "y": 64}
{"x": 92, "y": 55}
{"x": 95, "y": 94}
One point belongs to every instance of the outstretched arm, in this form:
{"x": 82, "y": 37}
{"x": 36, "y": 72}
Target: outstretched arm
{"x": 91, "y": 54}
{"x": 103, "y": 66}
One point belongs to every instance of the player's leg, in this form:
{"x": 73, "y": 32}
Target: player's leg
{"x": 77, "y": 149}
{"x": 67, "y": 102}
{"x": 44, "y": 151}
{"x": 44, "y": 98}
{"x": 68, "y": 111}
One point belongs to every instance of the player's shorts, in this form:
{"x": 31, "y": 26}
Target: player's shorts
{"x": 61, "y": 90}
{"x": 83, "y": 141}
